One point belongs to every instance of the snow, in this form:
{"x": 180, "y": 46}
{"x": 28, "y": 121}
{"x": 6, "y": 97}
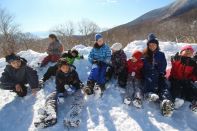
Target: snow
{"x": 107, "y": 113}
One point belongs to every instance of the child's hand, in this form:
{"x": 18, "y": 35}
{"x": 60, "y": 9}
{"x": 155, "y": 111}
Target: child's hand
{"x": 18, "y": 88}
{"x": 34, "y": 91}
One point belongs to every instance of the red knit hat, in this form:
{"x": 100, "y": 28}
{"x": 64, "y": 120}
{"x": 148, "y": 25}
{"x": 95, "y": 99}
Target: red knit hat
{"x": 137, "y": 54}
{"x": 187, "y": 47}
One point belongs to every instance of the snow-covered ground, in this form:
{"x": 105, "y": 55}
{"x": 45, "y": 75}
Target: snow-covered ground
{"x": 107, "y": 113}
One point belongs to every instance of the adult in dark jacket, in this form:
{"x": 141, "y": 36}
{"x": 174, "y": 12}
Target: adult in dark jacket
{"x": 153, "y": 71}
{"x": 16, "y": 74}
{"x": 69, "y": 56}
{"x": 182, "y": 77}
{"x": 119, "y": 64}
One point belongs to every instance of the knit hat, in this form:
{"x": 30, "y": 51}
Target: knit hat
{"x": 61, "y": 62}
{"x": 152, "y": 39}
{"x": 75, "y": 51}
{"x": 187, "y": 47}
{"x": 137, "y": 54}
{"x": 116, "y": 46}
{"x": 12, "y": 57}
{"x": 98, "y": 36}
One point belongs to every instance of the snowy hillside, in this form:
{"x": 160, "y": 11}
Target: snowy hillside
{"x": 107, "y": 113}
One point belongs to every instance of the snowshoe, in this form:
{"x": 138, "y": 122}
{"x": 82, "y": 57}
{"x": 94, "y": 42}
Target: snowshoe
{"x": 87, "y": 90}
{"x": 193, "y": 106}
{"x": 127, "y": 101}
{"x": 167, "y": 108}
{"x": 137, "y": 103}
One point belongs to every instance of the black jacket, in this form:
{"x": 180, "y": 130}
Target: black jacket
{"x": 70, "y": 78}
{"x": 24, "y": 75}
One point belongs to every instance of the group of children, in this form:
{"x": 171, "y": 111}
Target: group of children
{"x": 145, "y": 72}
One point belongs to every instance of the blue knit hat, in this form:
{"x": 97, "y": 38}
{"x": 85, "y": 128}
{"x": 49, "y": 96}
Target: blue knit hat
{"x": 152, "y": 39}
{"x": 98, "y": 36}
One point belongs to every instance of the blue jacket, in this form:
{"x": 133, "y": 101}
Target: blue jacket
{"x": 101, "y": 54}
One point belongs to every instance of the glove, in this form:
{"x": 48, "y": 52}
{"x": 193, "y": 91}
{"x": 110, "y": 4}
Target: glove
{"x": 81, "y": 57}
{"x": 99, "y": 63}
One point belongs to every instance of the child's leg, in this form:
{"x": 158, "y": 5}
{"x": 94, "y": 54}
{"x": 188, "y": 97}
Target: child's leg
{"x": 164, "y": 90}
{"x": 50, "y": 72}
{"x": 94, "y": 74}
{"x": 55, "y": 58}
{"x": 122, "y": 78}
{"x": 138, "y": 90}
{"x": 46, "y": 60}
{"x": 190, "y": 91}
{"x": 176, "y": 89}
{"x": 60, "y": 86}
{"x": 101, "y": 75}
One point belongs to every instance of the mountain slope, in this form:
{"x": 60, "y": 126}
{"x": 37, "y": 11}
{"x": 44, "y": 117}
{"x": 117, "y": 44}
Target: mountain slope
{"x": 169, "y": 22}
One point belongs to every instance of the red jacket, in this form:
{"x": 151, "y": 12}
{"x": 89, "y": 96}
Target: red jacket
{"x": 135, "y": 67}
{"x": 183, "y": 69}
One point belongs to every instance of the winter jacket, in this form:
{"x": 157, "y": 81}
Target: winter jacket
{"x": 102, "y": 54}
{"x": 135, "y": 67}
{"x": 154, "y": 71}
{"x": 70, "y": 78}
{"x": 183, "y": 68}
{"x": 55, "y": 48}
{"x": 69, "y": 58}
{"x": 25, "y": 74}
{"x": 119, "y": 60}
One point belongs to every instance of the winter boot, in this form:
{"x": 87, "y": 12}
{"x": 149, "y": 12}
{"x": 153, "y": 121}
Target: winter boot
{"x": 88, "y": 89}
{"x": 137, "y": 103}
{"x": 167, "y": 108}
{"x": 178, "y": 103}
{"x": 193, "y": 106}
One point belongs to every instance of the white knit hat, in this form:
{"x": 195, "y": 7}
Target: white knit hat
{"x": 116, "y": 46}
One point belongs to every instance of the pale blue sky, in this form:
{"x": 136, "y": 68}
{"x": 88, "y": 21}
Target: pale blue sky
{"x": 42, "y": 15}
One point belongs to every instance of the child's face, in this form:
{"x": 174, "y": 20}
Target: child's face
{"x": 74, "y": 54}
{"x": 51, "y": 40}
{"x": 134, "y": 59}
{"x": 16, "y": 64}
{"x": 100, "y": 42}
{"x": 64, "y": 68}
{"x": 152, "y": 46}
{"x": 187, "y": 53}
{"x": 113, "y": 51}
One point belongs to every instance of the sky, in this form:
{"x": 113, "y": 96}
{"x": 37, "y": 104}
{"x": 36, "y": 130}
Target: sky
{"x": 42, "y": 15}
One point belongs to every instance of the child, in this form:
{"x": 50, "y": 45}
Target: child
{"x": 99, "y": 57}
{"x": 134, "y": 67}
{"x": 69, "y": 56}
{"x": 67, "y": 80}
{"x": 183, "y": 74}
{"x": 119, "y": 60}
{"x": 154, "y": 76}
{"x": 16, "y": 74}
{"x": 54, "y": 50}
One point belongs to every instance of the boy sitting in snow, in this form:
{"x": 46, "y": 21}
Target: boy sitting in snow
{"x": 119, "y": 60}
{"x": 134, "y": 67}
{"x": 69, "y": 56}
{"x": 99, "y": 57}
{"x": 16, "y": 74}
{"x": 183, "y": 74}
{"x": 67, "y": 80}
{"x": 54, "y": 50}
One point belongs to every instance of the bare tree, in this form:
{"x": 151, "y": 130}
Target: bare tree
{"x": 87, "y": 28}
{"x": 8, "y": 31}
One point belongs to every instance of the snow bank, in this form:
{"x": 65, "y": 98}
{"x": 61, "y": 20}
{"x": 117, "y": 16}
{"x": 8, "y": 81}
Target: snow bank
{"x": 107, "y": 113}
